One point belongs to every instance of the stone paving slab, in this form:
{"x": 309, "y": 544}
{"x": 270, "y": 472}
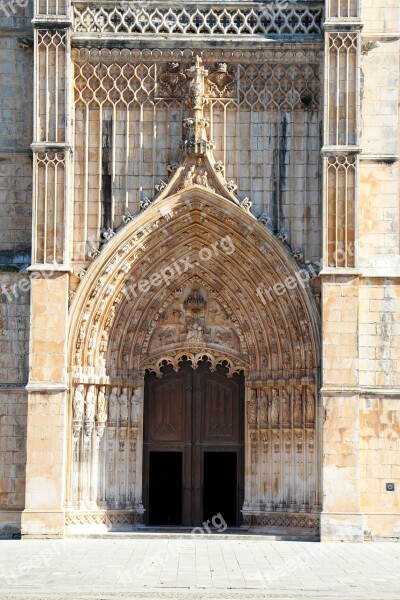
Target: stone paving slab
{"x": 197, "y": 568}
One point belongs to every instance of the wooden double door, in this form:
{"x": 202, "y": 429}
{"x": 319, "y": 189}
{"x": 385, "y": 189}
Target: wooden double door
{"x": 193, "y": 447}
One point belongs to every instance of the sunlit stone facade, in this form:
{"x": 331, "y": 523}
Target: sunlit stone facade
{"x": 199, "y": 248}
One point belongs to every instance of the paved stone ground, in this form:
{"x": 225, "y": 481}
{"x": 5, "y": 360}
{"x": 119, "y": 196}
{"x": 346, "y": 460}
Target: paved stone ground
{"x": 207, "y": 568}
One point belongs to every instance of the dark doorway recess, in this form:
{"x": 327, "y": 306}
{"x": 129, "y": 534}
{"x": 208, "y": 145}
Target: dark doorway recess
{"x": 198, "y": 415}
{"x": 165, "y": 488}
{"x": 220, "y": 486}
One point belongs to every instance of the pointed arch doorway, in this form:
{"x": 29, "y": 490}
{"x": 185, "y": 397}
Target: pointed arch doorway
{"x": 193, "y": 446}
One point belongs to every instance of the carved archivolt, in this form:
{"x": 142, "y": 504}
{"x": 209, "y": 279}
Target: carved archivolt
{"x": 113, "y": 319}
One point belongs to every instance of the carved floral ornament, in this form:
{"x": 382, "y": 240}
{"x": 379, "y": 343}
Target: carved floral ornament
{"x": 231, "y": 364}
{"x": 113, "y": 322}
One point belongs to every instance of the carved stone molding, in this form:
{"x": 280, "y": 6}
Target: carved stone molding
{"x": 298, "y": 54}
{"x": 107, "y": 518}
{"x": 195, "y": 356}
{"x": 266, "y": 519}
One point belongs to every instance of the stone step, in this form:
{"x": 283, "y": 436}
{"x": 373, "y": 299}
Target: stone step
{"x": 232, "y": 533}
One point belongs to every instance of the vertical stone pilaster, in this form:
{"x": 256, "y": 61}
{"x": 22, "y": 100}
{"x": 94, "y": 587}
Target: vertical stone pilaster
{"x": 47, "y": 401}
{"x": 47, "y": 387}
{"x": 52, "y": 136}
{"x": 341, "y": 517}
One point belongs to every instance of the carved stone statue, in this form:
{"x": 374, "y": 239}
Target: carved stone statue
{"x": 104, "y": 341}
{"x": 310, "y": 407}
{"x": 263, "y": 408}
{"x": 113, "y": 405}
{"x": 275, "y": 408}
{"x": 252, "y": 408}
{"x": 195, "y": 333}
{"x": 188, "y": 180}
{"x": 101, "y": 415}
{"x": 78, "y": 403}
{"x": 123, "y": 404}
{"x": 297, "y": 408}
{"x": 285, "y": 408}
{"x": 90, "y": 404}
{"x": 137, "y": 399}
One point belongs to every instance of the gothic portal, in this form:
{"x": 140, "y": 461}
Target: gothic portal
{"x": 200, "y": 275}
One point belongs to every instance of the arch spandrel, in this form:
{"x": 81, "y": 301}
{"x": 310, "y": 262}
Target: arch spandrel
{"x": 280, "y": 333}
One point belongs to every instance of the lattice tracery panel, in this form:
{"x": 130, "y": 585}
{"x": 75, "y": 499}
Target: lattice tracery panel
{"x": 340, "y": 210}
{"x": 49, "y": 207}
{"x": 256, "y": 19}
{"x": 51, "y": 72}
{"x": 343, "y": 9}
{"x": 108, "y": 85}
{"x": 342, "y": 93}
{"x": 259, "y": 86}
{"x": 279, "y": 87}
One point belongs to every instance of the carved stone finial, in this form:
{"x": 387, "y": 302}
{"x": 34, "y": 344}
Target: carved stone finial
{"x": 231, "y": 186}
{"x": 246, "y": 204}
{"x": 282, "y": 235}
{"x": 196, "y": 142}
{"x": 106, "y": 234}
{"x": 160, "y": 186}
{"x": 94, "y": 253}
{"x": 297, "y": 255}
{"x": 265, "y": 219}
{"x": 197, "y": 75}
{"x": 81, "y": 273}
{"x": 127, "y": 217}
{"x": 145, "y": 203}
{"x": 172, "y": 168}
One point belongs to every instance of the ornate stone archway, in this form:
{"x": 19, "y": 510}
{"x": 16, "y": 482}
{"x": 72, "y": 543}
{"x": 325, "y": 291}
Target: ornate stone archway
{"x": 186, "y": 278}
{"x": 182, "y": 278}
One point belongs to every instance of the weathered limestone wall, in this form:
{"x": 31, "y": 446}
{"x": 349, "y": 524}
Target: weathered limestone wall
{"x": 47, "y": 387}
{"x": 361, "y": 382}
{"x": 16, "y": 110}
{"x": 379, "y": 464}
{"x": 16, "y": 79}
{"x": 14, "y": 327}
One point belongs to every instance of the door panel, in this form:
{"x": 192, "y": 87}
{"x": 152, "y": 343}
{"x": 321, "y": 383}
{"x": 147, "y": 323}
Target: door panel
{"x": 167, "y": 408}
{"x": 195, "y": 412}
{"x": 220, "y": 411}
